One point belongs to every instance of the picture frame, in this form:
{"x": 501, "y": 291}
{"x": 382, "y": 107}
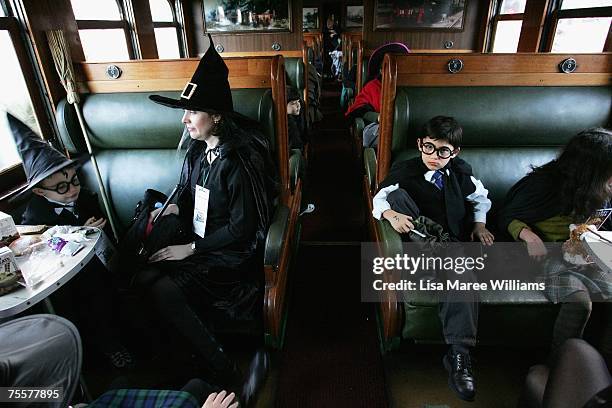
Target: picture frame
{"x": 354, "y": 16}
{"x": 251, "y": 16}
{"x": 439, "y": 15}
{"x": 310, "y": 18}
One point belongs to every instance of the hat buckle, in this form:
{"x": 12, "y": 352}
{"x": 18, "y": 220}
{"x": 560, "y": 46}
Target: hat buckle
{"x": 188, "y": 91}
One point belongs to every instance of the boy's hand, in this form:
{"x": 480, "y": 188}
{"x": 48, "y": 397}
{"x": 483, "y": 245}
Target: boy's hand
{"x": 220, "y": 400}
{"x": 172, "y": 253}
{"x": 400, "y": 222}
{"x": 95, "y": 222}
{"x": 481, "y": 232}
{"x": 535, "y": 245}
{"x": 171, "y": 209}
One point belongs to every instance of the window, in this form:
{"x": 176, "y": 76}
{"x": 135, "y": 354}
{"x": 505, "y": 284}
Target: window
{"x": 13, "y": 98}
{"x": 581, "y": 26}
{"x": 507, "y": 25}
{"x": 19, "y": 96}
{"x": 167, "y": 30}
{"x": 575, "y": 4}
{"x": 104, "y": 32}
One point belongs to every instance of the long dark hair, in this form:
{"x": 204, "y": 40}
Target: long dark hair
{"x": 583, "y": 170}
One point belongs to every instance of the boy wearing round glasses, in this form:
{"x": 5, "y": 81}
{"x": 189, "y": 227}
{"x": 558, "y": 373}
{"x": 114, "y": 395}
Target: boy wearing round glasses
{"x": 440, "y": 186}
{"x": 57, "y": 199}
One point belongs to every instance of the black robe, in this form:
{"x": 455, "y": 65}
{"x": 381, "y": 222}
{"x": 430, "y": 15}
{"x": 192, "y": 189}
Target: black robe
{"x": 224, "y": 278}
{"x": 448, "y": 207}
{"x": 41, "y": 211}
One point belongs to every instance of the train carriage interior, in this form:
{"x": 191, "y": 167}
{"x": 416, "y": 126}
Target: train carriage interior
{"x": 242, "y": 166}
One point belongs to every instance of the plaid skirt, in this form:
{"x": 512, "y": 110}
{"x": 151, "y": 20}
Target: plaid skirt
{"x": 563, "y": 278}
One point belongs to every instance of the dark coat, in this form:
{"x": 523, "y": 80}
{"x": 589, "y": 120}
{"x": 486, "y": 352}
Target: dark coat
{"x": 536, "y": 197}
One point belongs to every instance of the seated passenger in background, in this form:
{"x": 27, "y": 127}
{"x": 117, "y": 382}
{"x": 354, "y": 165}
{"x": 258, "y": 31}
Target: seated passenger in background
{"x": 541, "y": 207}
{"x": 225, "y": 206}
{"x": 440, "y": 186}
{"x": 59, "y": 200}
{"x": 296, "y": 123}
{"x": 367, "y": 102}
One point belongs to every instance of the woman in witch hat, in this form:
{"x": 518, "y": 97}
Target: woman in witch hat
{"x": 225, "y": 200}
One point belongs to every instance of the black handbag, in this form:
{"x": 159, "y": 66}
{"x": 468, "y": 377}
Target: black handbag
{"x": 138, "y": 245}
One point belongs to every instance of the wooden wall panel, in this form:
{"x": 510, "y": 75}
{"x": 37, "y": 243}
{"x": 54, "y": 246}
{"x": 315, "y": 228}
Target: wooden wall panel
{"x": 169, "y": 75}
{"x": 429, "y": 40}
{"x": 247, "y": 42}
{"x": 44, "y": 15}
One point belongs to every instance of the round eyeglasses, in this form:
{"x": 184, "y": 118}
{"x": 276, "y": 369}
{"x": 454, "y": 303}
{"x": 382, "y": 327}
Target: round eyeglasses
{"x": 443, "y": 152}
{"x": 63, "y": 186}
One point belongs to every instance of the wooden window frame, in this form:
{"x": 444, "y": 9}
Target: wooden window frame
{"x": 178, "y": 29}
{"x": 558, "y": 14}
{"x": 13, "y": 178}
{"x": 497, "y": 17}
{"x": 122, "y": 24}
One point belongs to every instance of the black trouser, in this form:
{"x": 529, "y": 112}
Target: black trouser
{"x": 175, "y": 310}
{"x": 459, "y": 317}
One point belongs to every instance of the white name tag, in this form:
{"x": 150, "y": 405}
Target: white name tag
{"x": 200, "y": 210}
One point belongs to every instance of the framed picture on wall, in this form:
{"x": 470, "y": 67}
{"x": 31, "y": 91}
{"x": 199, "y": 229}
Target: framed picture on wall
{"x": 224, "y": 16}
{"x": 354, "y": 16}
{"x": 447, "y": 15}
{"x": 310, "y": 18}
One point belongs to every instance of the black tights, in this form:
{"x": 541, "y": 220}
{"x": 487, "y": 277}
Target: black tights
{"x": 573, "y": 317}
{"x": 176, "y": 311}
{"x": 577, "y": 373}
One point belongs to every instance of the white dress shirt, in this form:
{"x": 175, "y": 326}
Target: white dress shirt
{"x": 478, "y": 198}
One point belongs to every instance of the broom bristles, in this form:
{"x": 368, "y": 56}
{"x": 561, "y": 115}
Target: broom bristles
{"x": 63, "y": 64}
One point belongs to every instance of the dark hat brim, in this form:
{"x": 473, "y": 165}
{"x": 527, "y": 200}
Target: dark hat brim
{"x": 183, "y": 104}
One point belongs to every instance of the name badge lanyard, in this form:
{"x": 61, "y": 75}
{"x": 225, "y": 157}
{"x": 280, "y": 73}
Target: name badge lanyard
{"x": 200, "y": 210}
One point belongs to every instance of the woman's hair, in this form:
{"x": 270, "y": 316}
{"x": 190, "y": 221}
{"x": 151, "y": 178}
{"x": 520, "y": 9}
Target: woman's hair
{"x": 583, "y": 169}
{"x": 233, "y": 131}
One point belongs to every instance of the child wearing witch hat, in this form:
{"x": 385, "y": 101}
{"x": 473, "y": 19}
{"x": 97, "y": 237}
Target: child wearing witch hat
{"x": 57, "y": 199}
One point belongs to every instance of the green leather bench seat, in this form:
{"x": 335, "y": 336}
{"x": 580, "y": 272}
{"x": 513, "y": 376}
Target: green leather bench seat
{"x": 506, "y": 131}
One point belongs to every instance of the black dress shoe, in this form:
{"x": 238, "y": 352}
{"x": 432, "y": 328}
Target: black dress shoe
{"x": 255, "y": 377}
{"x": 460, "y": 377}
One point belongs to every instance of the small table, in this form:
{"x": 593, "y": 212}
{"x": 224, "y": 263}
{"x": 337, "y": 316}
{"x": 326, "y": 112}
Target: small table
{"x": 599, "y": 249}
{"x": 68, "y": 266}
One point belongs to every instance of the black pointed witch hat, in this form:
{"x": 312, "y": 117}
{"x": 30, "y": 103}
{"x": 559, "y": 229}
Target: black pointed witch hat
{"x": 40, "y": 159}
{"x": 208, "y": 90}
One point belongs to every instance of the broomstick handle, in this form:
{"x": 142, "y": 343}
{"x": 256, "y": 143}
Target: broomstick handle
{"x": 94, "y": 163}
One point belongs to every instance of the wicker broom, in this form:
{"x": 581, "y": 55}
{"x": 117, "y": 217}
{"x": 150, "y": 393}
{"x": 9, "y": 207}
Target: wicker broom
{"x": 63, "y": 66}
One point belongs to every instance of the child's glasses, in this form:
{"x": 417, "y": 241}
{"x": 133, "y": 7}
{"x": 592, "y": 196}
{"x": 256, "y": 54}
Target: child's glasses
{"x": 443, "y": 152}
{"x": 63, "y": 186}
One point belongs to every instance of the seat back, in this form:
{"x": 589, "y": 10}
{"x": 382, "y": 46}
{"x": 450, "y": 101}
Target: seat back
{"x": 296, "y": 76}
{"x": 506, "y": 130}
{"x": 516, "y": 111}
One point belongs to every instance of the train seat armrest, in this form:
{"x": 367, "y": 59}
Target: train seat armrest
{"x": 276, "y": 236}
{"x": 369, "y": 162}
{"x": 296, "y": 167}
{"x": 391, "y": 242}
